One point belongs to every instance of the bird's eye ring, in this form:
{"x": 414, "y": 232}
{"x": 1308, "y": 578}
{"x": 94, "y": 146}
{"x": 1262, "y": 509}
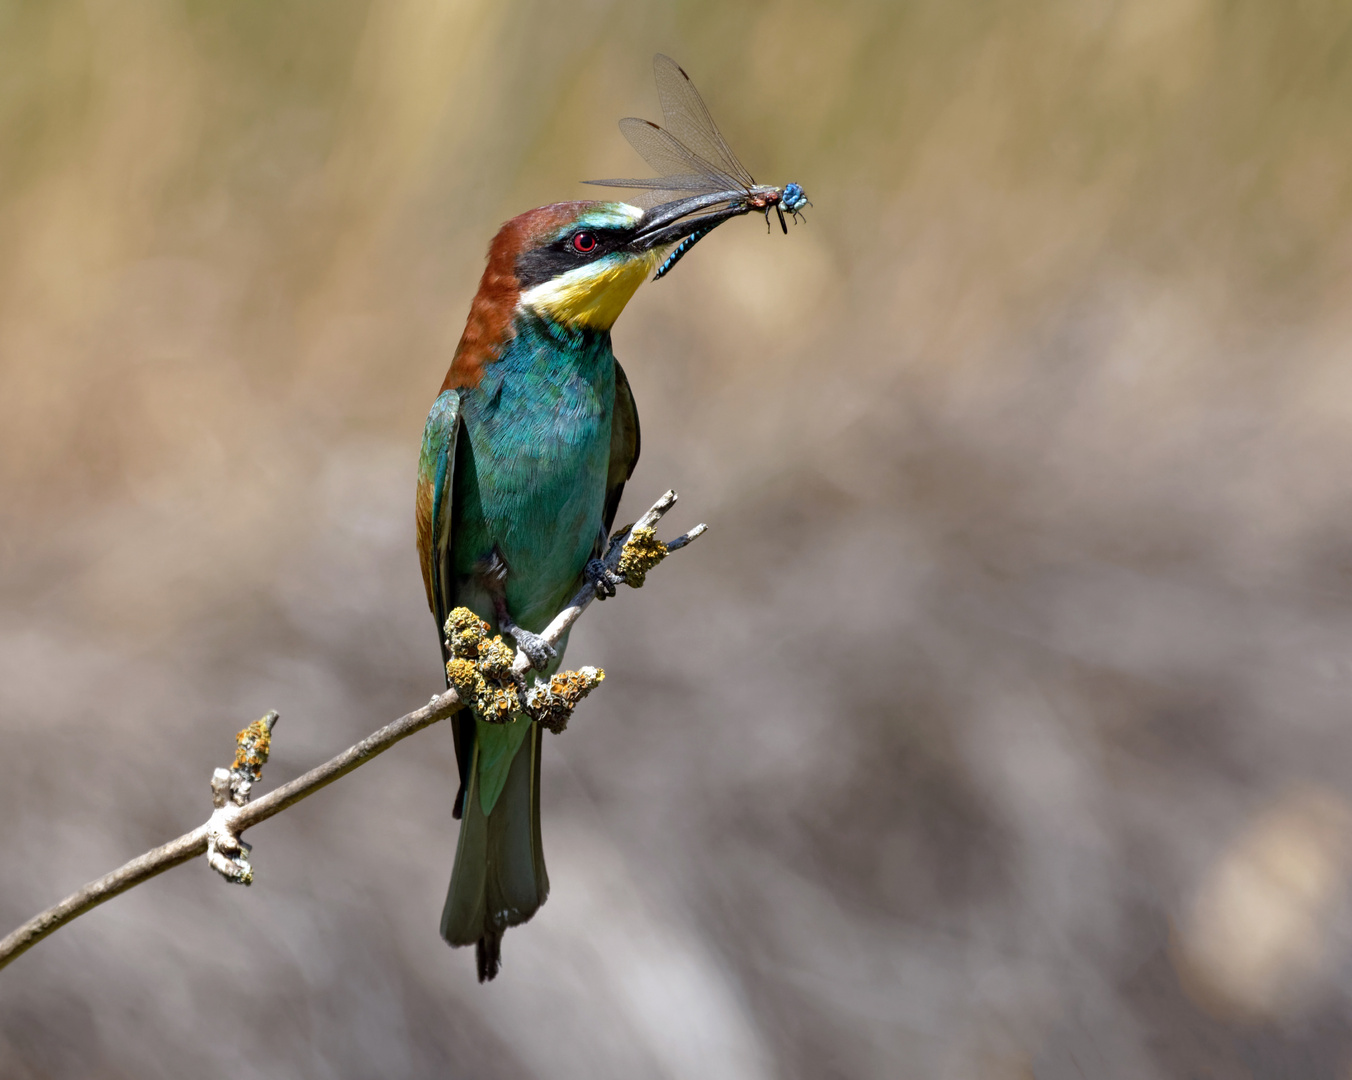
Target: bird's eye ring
{"x": 584, "y": 243}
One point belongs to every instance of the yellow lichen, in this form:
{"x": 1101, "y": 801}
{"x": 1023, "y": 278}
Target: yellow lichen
{"x": 480, "y": 668}
{"x": 496, "y": 658}
{"x": 464, "y": 631}
{"x": 252, "y": 746}
{"x": 552, "y": 704}
{"x": 641, "y": 553}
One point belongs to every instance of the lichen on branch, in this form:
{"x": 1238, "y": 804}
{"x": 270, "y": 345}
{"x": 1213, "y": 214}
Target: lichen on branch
{"x": 481, "y": 670}
{"x": 252, "y": 746}
{"x": 641, "y": 552}
{"x": 551, "y": 704}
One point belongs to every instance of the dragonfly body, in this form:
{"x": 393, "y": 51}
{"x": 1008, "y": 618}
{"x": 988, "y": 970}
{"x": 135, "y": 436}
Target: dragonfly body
{"x": 678, "y": 252}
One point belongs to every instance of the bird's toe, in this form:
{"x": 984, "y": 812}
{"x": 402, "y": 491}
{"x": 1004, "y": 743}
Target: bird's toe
{"x": 536, "y": 648}
{"x": 602, "y": 579}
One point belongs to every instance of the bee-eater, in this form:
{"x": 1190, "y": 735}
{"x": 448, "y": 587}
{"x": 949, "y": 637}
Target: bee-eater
{"x": 525, "y": 454}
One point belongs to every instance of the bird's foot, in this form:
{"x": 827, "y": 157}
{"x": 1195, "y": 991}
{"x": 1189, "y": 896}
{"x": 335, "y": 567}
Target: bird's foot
{"x": 537, "y": 649}
{"x": 603, "y": 579}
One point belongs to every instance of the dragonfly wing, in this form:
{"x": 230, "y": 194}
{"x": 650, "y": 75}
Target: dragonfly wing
{"x": 671, "y": 157}
{"x": 688, "y": 119}
{"x": 689, "y": 154}
{"x": 659, "y": 183}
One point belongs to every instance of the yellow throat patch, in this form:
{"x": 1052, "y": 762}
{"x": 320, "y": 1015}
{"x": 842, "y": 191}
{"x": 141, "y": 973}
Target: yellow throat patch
{"x": 593, "y": 295}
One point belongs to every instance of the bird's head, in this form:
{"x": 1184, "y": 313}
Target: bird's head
{"x": 575, "y": 264}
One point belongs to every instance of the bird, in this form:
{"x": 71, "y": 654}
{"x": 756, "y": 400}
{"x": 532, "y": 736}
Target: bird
{"x": 525, "y": 454}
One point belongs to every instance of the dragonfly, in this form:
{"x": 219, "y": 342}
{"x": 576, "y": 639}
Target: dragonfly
{"x": 691, "y": 155}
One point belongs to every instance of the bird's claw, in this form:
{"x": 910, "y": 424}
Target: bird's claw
{"x": 537, "y": 649}
{"x": 603, "y": 579}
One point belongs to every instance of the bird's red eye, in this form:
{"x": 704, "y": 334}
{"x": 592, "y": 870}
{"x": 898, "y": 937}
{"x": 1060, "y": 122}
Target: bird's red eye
{"x": 584, "y": 242}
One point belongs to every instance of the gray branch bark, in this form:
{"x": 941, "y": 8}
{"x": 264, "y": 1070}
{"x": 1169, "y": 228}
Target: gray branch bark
{"x": 221, "y": 832}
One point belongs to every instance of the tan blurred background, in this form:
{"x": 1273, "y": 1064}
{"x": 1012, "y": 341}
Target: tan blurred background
{"x": 999, "y": 727}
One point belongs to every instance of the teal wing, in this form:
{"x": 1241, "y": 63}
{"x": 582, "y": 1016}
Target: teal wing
{"x": 436, "y": 489}
{"x": 436, "y": 473}
{"x": 624, "y": 445}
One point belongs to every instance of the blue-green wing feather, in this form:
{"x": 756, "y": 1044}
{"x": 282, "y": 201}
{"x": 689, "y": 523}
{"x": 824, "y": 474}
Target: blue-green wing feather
{"x": 436, "y": 476}
{"x": 435, "y": 516}
{"x": 624, "y": 445}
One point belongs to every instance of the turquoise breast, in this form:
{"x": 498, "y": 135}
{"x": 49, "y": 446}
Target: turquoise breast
{"x": 531, "y": 466}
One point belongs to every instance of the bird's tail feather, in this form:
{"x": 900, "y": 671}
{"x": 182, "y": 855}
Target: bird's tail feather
{"x": 499, "y": 879}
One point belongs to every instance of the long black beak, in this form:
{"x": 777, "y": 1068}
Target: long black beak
{"x": 672, "y": 221}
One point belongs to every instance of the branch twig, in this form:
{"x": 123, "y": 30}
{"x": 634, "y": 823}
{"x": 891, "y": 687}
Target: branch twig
{"x": 219, "y": 836}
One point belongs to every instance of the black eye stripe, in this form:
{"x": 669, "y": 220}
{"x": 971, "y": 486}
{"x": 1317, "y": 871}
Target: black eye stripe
{"x": 603, "y": 241}
{"x": 543, "y": 264}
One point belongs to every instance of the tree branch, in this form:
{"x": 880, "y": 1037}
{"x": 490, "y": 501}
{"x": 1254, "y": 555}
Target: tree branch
{"x": 630, "y": 554}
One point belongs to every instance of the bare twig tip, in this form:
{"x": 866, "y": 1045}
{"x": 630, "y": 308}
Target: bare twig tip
{"x": 685, "y": 537}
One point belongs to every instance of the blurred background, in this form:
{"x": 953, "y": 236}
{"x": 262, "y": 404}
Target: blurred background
{"x": 998, "y": 728}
